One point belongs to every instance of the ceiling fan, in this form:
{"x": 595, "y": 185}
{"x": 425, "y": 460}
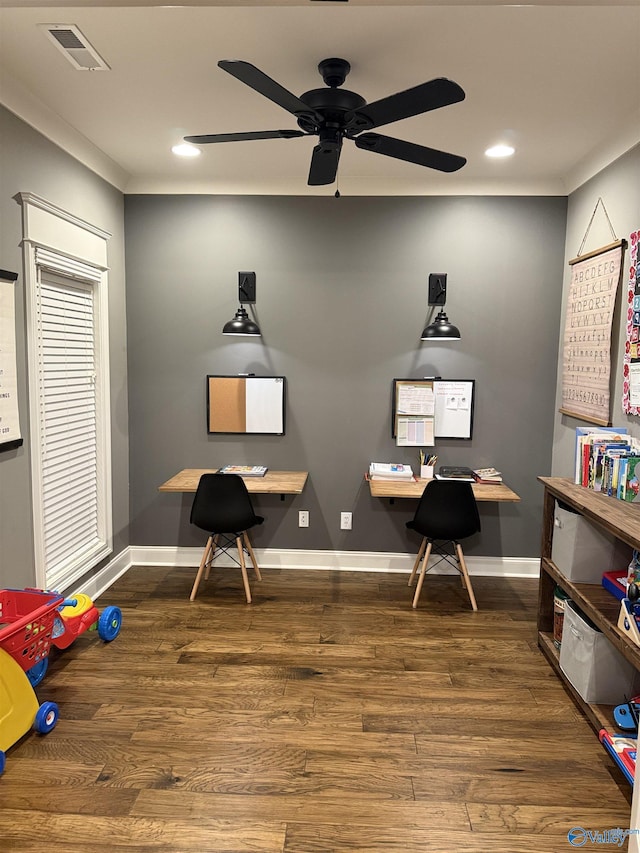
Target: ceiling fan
{"x": 334, "y": 114}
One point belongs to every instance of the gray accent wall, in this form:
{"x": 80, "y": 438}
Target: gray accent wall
{"x": 30, "y": 163}
{"x": 341, "y": 301}
{"x": 342, "y": 293}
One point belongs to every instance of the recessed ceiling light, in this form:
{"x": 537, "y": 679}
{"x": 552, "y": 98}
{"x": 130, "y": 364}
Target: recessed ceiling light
{"x": 500, "y": 151}
{"x": 186, "y": 150}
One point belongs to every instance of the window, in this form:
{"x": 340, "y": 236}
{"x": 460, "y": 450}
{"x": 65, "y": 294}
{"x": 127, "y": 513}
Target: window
{"x": 69, "y": 407}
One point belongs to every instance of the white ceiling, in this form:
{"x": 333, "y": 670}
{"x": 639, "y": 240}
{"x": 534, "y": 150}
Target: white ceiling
{"x": 561, "y": 82}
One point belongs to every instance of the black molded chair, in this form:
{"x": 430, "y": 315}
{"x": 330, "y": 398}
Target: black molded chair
{"x": 447, "y": 512}
{"x": 223, "y": 508}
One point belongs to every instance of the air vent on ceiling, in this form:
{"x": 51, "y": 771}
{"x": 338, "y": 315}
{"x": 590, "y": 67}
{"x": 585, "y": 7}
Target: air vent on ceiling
{"x": 71, "y": 42}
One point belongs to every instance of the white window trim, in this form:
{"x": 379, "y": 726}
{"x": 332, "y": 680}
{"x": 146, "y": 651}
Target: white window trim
{"x": 66, "y": 245}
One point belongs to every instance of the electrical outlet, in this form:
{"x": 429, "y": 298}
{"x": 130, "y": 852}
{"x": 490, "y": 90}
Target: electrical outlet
{"x": 303, "y": 518}
{"x": 345, "y": 521}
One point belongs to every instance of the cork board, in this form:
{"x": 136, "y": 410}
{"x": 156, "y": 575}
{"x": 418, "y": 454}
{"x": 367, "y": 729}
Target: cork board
{"x": 246, "y": 404}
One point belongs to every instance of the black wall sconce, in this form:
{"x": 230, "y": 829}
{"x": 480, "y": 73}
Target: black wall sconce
{"x": 242, "y": 324}
{"x": 440, "y": 329}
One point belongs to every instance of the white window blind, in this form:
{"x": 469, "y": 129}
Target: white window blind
{"x": 69, "y": 418}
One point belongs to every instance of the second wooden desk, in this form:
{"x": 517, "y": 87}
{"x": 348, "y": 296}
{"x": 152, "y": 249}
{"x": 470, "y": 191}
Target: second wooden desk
{"x": 414, "y": 488}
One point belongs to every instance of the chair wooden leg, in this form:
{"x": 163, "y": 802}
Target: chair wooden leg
{"x": 247, "y": 543}
{"x": 423, "y": 545}
{"x": 243, "y": 569}
{"x": 213, "y": 556}
{"x": 423, "y": 571}
{"x": 201, "y": 568}
{"x": 465, "y": 574}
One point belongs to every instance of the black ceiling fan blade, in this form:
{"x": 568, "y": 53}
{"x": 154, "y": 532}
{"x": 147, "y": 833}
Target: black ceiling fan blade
{"x": 206, "y": 138}
{"x": 264, "y": 85}
{"x": 409, "y": 151}
{"x": 324, "y": 165}
{"x": 412, "y": 102}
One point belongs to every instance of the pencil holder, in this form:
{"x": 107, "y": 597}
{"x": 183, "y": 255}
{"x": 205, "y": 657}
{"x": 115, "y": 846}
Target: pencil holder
{"x": 426, "y": 472}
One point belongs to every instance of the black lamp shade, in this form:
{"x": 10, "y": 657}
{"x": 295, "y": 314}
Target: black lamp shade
{"x": 241, "y": 324}
{"x": 441, "y": 330}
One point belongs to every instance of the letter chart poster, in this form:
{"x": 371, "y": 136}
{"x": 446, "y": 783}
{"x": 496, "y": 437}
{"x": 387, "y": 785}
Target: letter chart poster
{"x": 586, "y": 372}
{"x": 631, "y": 368}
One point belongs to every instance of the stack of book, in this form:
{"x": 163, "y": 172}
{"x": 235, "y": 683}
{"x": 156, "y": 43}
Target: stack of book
{"x": 244, "y": 470}
{"x": 608, "y": 460}
{"x": 487, "y": 475}
{"x": 390, "y": 471}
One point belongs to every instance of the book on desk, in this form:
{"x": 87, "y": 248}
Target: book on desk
{"x": 394, "y": 472}
{"x": 244, "y": 470}
{"x": 487, "y": 475}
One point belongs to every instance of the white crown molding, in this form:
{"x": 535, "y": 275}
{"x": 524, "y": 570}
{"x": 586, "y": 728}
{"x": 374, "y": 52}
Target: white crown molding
{"x": 22, "y": 103}
{"x": 624, "y": 140}
{"x": 18, "y": 100}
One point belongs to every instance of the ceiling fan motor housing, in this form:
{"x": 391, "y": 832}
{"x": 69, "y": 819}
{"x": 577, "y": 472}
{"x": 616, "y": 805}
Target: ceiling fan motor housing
{"x": 334, "y": 71}
{"x": 332, "y": 105}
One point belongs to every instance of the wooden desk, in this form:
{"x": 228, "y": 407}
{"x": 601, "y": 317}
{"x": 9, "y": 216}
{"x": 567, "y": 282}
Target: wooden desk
{"x": 414, "y": 488}
{"x": 273, "y": 483}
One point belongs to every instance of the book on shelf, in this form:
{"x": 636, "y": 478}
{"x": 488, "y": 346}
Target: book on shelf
{"x": 455, "y": 472}
{"x": 487, "y": 475}
{"x": 390, "y": 471}
{"x": 628, "y": 488}
{"x": 244, "y": 470}
{"x": 608, "y": 461}
{"x": 586, "y": 437}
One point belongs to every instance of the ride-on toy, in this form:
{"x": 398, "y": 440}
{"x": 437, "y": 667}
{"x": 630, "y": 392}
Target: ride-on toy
{"x": 31, "y": 621}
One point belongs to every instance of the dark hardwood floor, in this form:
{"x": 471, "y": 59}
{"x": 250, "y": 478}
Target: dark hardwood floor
{"x": 326, "y": 717}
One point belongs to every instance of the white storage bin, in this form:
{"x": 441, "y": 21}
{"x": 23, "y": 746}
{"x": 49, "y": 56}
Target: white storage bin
{"x": 599, "y": 673}
{"x": 581, "y": 551}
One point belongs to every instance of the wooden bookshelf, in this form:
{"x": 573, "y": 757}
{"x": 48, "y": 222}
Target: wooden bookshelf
{"x": 622, "y": 521}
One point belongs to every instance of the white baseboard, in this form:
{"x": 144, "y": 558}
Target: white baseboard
{"x": 272, "y": 558}
{"x": 106, "y": 576}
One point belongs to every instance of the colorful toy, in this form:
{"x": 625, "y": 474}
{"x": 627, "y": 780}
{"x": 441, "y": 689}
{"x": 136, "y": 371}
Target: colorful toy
{"x": 629, "y": 618}
{"x": 626, "y": 714}
{"x": 31, "y": 621}
{"x": 623, "y": 750}
{"x": 19, "y": 708}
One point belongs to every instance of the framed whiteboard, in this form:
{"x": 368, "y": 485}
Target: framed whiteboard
{"x": 454, "y": 408}
{"x": 246, "y": 404}
{"x": 426, "y": 409}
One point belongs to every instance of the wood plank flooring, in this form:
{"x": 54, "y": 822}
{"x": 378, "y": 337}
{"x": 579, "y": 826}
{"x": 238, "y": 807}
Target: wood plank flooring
{"x": 326, "y": 717}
